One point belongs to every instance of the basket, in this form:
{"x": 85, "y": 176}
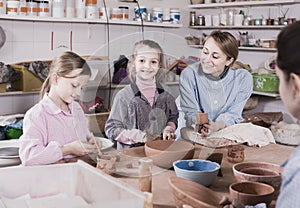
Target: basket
{"x": 96, "y": 122}
{"x": 265, "y": 82}
{"x": 29, "y": 81}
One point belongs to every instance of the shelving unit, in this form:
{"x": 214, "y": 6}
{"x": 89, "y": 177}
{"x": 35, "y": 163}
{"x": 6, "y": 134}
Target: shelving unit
{"x": 243, "y": 48}
{"x": 261, "y": 27}
{"x": 86, "y": 21}
{"x": 244, "y": 4}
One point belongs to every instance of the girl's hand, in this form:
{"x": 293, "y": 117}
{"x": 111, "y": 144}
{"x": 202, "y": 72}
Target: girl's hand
{"x": 78, "y": 148}
{"x": 168, "y": 135}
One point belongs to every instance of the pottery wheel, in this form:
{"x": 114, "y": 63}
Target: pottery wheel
{"x": 9, "y": 152}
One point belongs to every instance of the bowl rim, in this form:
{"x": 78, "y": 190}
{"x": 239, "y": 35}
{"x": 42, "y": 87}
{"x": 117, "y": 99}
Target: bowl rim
{"x": 218, "y": 166}
{"x": 191, "y": 146}
{"x": 252, "y": 182}
{"x": 261, "y": 176}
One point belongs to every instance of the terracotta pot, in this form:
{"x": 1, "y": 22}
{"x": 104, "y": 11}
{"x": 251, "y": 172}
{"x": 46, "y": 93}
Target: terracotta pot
{"x": 165, "y": 152}
{"x": 187, "y": 192}
{"x": 259, "y": 172}
{"x": 251, "y": 193}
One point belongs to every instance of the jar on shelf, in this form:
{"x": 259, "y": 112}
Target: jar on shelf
{"x": 157, "y": 15}
{"x": 140, "y": 13}
{"x": 80, "y": 8}
{"x": 125, "y": 12}
{"x": 70, "y": 8}
{"x": 91, "y": 9}
{"x": 166, "y": 15}
{"x": 12, "y": 7}
{"x": 116, "y": 14}
{"x": 58, "y": 8}
{"x": 2, "y": 6}
{"x": 23, "y": 8}
{"x": 44, "y": 10}
{"x": 193, "y": 18}
{"x": 175, "y": 15}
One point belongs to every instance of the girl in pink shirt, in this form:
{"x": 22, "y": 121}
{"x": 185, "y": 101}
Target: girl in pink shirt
{"x": 56, "y": 127}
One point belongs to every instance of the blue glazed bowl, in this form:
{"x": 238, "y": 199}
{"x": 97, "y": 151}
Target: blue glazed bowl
{"x": 201, "y": 171}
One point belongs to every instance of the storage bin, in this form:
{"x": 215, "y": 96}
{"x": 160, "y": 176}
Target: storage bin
{"x": 72, "y": 179}
{"x": 265, "y": 82}
{"x": 29, "y": 81}
{"x": 96, "y": 122}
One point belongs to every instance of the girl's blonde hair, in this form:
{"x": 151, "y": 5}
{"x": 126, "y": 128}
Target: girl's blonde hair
{"x": 62, "y": 66}
{"x": 160, "y": 76}
{"x": 227, "y": 43}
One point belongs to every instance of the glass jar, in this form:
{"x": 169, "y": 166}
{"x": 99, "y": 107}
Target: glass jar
{"x": 157, "y": 15}
{"x": 44, "y": 10}
{"x": 116, "y": 14}
{"x": 192, "y": 18}
{"x": 125, "y": 13}
{"x": 175, "y": 15}
{"x": 12, "y": 7}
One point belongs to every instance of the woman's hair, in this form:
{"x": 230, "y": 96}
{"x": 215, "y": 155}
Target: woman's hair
{"x": 288, "y": 50}
{"x": 227, "y": 43}
{"x": 151, "y": 44}
{"x": 62, "y": 66}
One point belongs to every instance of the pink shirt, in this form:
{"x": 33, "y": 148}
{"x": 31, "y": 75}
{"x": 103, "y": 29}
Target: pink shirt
{"x": 46, "y": 128}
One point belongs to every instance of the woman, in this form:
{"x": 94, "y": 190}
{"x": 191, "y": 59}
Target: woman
{"x": 288, "y": 71}
{"x": 213, "y": 86}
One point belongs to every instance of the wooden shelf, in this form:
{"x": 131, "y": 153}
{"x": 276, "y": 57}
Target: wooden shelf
{"x": 86, "y": 21}
{"x": 275, "y": 95}
{"x": 255, "y": 27}
{"x": 243, "y": 48}
{"x": 243, "y": 4}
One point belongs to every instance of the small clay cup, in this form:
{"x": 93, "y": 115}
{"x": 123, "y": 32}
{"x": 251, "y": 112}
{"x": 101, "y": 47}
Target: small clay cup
{"x": 201, "y": 119}
{"x": 235, "y": 153}
{"x": 251, "y": 193}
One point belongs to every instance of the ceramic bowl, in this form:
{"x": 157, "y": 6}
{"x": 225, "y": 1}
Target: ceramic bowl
{"x": 187, "y": 192}
{"x": 165, "y": 152}
{"x": 251, "y": 193}
{"x": 201, "y": 171}
{"x": 259, "y": 172}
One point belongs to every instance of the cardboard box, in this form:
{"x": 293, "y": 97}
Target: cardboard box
{"x": 29, "y": 81}
{"x": 96, "y": 122}
{"x": 73, "y": 179}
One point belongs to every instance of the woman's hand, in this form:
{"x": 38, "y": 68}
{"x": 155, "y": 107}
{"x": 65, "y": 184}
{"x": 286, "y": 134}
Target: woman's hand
{"x": 168, "y": 135}
{"x": 78, "y": 148}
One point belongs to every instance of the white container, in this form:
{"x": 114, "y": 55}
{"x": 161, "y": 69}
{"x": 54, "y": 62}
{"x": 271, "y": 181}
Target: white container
{"x": 208, "y": 21}
{"x": 23, "y": 8}
{"x": 223, "y": 19}
{"x": 70, "y": 8}
{"x": 116, "y": 14}
{"x": 166, "y": 15}
{"x": 12, "y": 7}
{"x": 103, "y": 15}
{"x": 175, "y": 16}
{"x": 157, "y": 15}
{"x": 2, "y": 7}
{"x": 71, "y": 179}
{"x": 80, "y": 8}
{"x": 238, "y": 19}
{"x": 216, "y": 20}
{"x": 44, "y": 9}
{"x": 58, "y": 8}
{"x": 125, "y": 12}
{"x": 91, "y": 11}
{"x": 140, "y": 12}
{"x": 32, "y": 8}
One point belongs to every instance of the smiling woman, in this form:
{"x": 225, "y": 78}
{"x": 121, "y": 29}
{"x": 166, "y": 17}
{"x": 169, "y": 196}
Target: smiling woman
{"x": 213, "y": 86}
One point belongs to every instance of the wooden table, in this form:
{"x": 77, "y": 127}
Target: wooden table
{"x": 162, "y": 196}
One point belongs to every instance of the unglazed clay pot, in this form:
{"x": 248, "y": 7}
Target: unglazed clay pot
{"x": 259, "y": 172}
{"x": 165, "y": 152}
{"x": 251, "y": 193}
{"x": 190, "y": 193}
